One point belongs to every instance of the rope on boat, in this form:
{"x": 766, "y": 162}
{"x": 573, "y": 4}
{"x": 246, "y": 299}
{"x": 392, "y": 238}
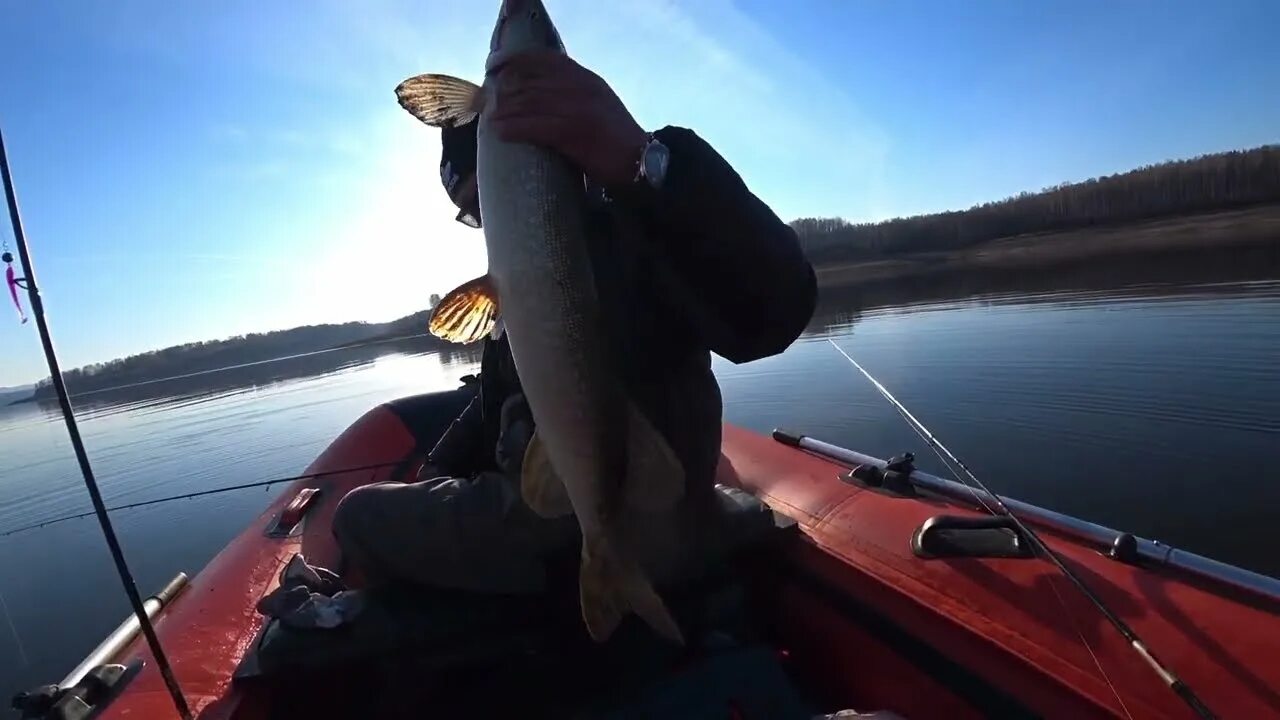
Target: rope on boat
{"x": 77, "y": 445}
{"x": 1173, "y": 682}
{"x": 202, "y": 493}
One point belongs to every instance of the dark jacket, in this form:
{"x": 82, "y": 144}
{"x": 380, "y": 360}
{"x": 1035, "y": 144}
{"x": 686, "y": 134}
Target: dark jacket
{"x": 699, "y": 266}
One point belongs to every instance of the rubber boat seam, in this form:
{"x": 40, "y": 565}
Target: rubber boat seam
{"x": 986, "y": 629}
{"x": 1081, "y": 544}
{"x": 999, "y": 635}
{"x": 966, "y": 684}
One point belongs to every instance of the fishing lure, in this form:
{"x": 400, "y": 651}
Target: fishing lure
{"x": 14, "y": 283}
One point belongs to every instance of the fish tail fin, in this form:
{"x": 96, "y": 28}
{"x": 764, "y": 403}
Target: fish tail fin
{"x": 655, "y": 476}
{"x": 612, "y": 586}
{"x": 467, "y": 313}
{"x": 440, "y": 100}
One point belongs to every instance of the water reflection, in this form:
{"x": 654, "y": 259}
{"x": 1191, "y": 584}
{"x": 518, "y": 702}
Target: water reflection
{"x": 203, "y": 387}
{"x": 1168, "y": 275}
{"x": 218, "y": 429}
{"x": 1125, "y": 393}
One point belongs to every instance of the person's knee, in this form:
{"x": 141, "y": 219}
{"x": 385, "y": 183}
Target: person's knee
{"x": 351, "y": 516}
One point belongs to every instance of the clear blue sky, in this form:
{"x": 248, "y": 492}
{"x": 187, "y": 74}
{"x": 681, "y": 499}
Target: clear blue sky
{"x": 198, "y": 170}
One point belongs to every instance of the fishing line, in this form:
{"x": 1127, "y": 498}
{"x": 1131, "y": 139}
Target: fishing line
{"x": 911, "y": 423}
{"x": 17, "y": 639}
{"x": 201, "y": 493}
{"x": 1173, "y": 682}
{"x": 1062, "y": 603}
{"x": 77, "y": 446}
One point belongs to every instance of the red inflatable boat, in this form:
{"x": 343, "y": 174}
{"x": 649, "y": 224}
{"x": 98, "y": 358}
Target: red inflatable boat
{"x": 891, "y": 592}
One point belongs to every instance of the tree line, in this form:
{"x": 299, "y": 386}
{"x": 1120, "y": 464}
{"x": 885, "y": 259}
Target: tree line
{"x": 1219, "y": 181}
{"x": 196, "y": 357}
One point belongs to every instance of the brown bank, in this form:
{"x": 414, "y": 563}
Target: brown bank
{"x": 1245, "y": 231}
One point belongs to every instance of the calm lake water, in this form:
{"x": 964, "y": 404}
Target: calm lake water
{"x": 1154, "y": 408}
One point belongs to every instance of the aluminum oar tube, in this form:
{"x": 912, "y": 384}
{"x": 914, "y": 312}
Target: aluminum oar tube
{"x": 124, "y": 633}
{"x": 1150, "y": 551}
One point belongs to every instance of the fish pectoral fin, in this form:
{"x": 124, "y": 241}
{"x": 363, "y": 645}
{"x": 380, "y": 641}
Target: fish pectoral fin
{"x": 440, "y": 100}
{"x": 467, "y": 313}
{"x": 611, "y": 586}
{"x": 655, "y": 476}
{"x": 540, "y": 486}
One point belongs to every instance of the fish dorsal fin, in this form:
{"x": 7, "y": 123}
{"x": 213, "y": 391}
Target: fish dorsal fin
{"x": 467, "y": 313}
{"x": 440, "y": 100}
{"x": 540, "y": 486}
{"x": 655, "y": 476}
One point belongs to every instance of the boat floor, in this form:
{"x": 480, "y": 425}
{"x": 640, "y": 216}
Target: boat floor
{"x": 619, "y": 682}
{"x": 458, "y": 655}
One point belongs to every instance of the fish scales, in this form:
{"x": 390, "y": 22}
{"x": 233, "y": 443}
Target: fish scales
{"x": 593, "y": 454}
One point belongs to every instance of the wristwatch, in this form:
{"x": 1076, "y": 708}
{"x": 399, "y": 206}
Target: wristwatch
{"x": 653, "y": 162}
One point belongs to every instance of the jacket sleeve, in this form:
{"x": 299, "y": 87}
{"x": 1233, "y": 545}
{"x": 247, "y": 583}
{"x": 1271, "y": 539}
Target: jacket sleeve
{"x": 750, "y": 289}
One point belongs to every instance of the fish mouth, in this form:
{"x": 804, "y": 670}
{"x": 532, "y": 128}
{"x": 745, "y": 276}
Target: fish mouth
{"x": 495, "y": 40}
{"x": 543, "y": 32}
{"x": 508, "y": 10}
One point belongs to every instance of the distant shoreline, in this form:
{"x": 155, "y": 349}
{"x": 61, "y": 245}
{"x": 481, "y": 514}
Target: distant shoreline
{"x": 1247, "y": 238}
{"x": 1228, "y": 230}
{"x": 391, "y": 337}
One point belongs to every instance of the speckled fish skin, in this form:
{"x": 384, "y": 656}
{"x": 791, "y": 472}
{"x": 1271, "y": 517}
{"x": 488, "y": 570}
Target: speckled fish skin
{"x": 533, "y": 205}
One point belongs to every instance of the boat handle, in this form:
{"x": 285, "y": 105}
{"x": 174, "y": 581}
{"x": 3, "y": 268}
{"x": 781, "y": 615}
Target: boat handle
{"x": 950, "y": 536}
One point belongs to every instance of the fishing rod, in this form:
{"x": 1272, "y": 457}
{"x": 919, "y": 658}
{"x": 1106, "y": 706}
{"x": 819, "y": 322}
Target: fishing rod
{"x": 1174, "y": 683}
{"x": 201, "y": 493}
{"x": 77, "y": 446}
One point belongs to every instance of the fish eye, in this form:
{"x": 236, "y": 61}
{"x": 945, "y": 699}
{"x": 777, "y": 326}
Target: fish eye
{"x": 534, "y": 15}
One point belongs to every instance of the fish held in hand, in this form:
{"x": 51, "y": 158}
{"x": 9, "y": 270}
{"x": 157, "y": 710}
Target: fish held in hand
{"x": 594, "y": 453}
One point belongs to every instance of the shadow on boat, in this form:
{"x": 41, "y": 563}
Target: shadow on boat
{"x": 1155, "y": 594}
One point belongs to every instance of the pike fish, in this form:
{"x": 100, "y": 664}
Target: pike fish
{"x": 594, "y": 453}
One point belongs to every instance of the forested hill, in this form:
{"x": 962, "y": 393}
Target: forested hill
{"x": 1207, "y": 183}
{"x": 215, "y": 354}
{"x": 1204, "y": 184}
{"x": 9, "y": 394}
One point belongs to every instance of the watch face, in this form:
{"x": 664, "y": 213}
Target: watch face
{"x": 656, "y": 156}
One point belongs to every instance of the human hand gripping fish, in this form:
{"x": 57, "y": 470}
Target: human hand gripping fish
{"x": 544, "y": 122}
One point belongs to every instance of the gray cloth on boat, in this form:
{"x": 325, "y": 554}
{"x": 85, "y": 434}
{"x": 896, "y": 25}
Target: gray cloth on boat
{"x": 315, "y": 578}
{"x": 310, "y": 597}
